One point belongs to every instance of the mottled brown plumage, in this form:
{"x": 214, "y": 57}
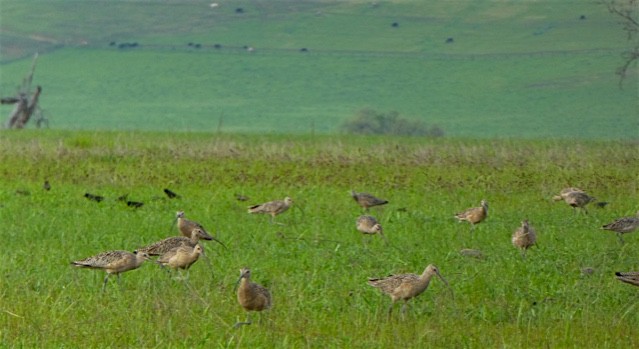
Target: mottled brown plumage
{"x": 186, "y": 226}
{"x": 181, "y": 257}
{"x": 631, "y": 277}
{"x": 113, "y": 262}
{"x": 251, "y": 296}
{"x": 575, "y": 198}
{"x": 474, "y": 215}
{"x": 368, "y": 225}
{"x": 524, "y": 237}
{"x": 366, "y": 200}
{"x": 405, "y": 286}
{"x": 163, "y": 246}
{"x": 272, "y": 208}
{"x": 623, "y": 225}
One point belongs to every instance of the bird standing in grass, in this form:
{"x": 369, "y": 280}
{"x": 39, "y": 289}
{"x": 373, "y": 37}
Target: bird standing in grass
{"x": 113, "y": 262}
{"x": 272, "y": 208}
{"x": 182, "y": 257}
{"x": 524, "y": 237}
{"x": 368, "y": 225}
{"x": 251, "y": 296}
{"x": 163, "y": 246}
{"x": 631, "y": 277}
{"x": 405, "y": 286}
{"x": 366, "y": 200}
{"x": 186, "y": 226}
{"x": 474, "y": 215}
{"x": 623, "y": 225}
{"x": 575, "y": 198}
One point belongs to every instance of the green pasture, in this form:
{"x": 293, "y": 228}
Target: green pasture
{"x": 530, "y": 69}
{"x": 316, "y": 264}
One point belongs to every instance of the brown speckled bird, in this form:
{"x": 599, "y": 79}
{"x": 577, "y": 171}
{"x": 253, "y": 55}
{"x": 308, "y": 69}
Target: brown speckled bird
{"x": 113, "y": 262}
{"x": 272, "y": 208}
{"x": 630, "y": 277}
{"x": 474, "y": 215}
{"x": 405, "y": 286}
{"x": 524, "y": 237}
{"x": 623, "y": 225}
{"x": 366, "y": 200}
{"x": 251, "y": 296}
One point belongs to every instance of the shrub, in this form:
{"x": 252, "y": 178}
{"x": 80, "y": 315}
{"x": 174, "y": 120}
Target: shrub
{"x": 371, "y": 122}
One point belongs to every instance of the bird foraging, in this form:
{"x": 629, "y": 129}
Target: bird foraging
{"x": 405, "y": 286}
{"x": 272, "y": 208}
{"x": 113, "y": 262}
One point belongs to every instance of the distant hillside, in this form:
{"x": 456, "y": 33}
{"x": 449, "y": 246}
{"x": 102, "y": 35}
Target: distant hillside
{"x": 473, "y": 68}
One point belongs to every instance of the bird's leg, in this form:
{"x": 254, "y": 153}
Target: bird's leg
{"x": 106, "y": 278}
{"x": 404, "y": 308}
{"x": 620, "y": 236}
{"x": 523, "y": 254}
{"x": 247, "y": 322}
{"x": 390, "y": 310}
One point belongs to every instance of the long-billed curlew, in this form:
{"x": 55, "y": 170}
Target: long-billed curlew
{"x": 368, "y": 225}
{"x": 186, "y": 226}
{"x": 181, "y": 257}
{"x": 623, "y": 225}
{"x": 630, "y": 277}
{"x": 366, "y": 200}
{"x": 474, "y": 215}
{"x": 574, "y": 197}
{"x": 405, "y": 286}
{"x": 113, "y": 262}
{"x": 251, "y": 296}
{"x": 524, "y": 237}
{"x": 163, "y": 246}
{"x": 272, "y": 208}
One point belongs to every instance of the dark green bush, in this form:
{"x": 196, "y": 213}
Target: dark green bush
{"x": 372, "y": 122}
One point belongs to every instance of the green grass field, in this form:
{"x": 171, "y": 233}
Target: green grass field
{"x": 317, "y": 264}
{"x": 528, "y": 69}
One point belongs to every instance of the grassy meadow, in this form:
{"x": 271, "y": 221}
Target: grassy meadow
{"x": 529, "y": 69}
{"x": 316, "y": 264}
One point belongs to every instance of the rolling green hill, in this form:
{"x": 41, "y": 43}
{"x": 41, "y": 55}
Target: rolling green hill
{"x": 531, "y": 69}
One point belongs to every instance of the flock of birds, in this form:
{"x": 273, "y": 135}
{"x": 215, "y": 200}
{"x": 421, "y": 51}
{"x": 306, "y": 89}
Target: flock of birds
{"x": 181, "y": 252}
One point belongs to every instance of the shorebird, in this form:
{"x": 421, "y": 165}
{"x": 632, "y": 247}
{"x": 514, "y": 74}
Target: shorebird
{"x": 181, "y": 257}
{"x": 251, "y": 296}
{"x": 623, "y": 225}
{"x": 574, "y": 197}
{"x": 405, "y": 286}
{"x": 163, "y": 246}
{"x": 474, "y": 215}
{"x": 186, "y": 226}
{"x": 368, "y": 225}
{"x": 631, "y": 277}
{"x": 367, "y": 200}
{"x": 272, "y": 208}
{"x": 113, "y": 262}
{"x": 524, "y": 237}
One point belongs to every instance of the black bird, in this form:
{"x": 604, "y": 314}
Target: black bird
{"x": 96, "y": 198}
{"x": 170, "y": 194}
{"x": 46, "y": 186}
{"x": 134, "y": 204}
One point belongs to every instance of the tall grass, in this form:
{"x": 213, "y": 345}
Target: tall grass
{"x": 316, "y": 264}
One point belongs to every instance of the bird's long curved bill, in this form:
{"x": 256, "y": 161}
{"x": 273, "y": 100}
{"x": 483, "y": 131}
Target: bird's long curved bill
{"x": 446, "y": 283}
{"x": 219, "y": 242}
